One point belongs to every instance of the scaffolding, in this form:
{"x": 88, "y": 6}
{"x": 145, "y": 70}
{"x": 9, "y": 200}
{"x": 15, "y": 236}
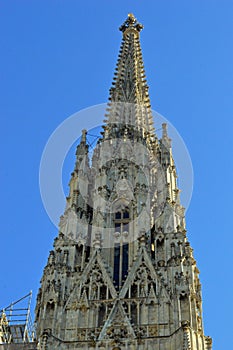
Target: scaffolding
{"x": 16, "y": 324}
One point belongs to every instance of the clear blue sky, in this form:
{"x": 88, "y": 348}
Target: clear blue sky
{"x": 58, "y": 57}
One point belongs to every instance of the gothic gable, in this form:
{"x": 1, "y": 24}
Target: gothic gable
{"x": 117, "y": 326}
{"x": 93, "y": 284}
{"x": 143, "y": 281}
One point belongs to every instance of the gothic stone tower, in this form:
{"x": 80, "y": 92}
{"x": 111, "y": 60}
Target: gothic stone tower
{"x": 122, "y": 273}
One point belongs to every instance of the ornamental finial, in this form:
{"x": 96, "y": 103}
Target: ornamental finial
{"x": 84, "y": 136}
{"x": 132, "y": 23}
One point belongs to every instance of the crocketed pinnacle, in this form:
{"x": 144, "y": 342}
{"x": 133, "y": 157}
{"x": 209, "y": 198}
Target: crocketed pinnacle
{"x": 129, "y": 102}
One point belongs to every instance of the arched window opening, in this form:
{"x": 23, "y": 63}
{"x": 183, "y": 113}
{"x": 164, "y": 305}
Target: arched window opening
{"x": 125, "y": 261}
{"x": 134, "y": 313}
{"x": 118, "y": 227}
{"x": 160, "y": 244}
{"x": 101, "y": 315}
{"x": 121, "y": 248}
{"x": 134, "y": 291}
{"x": 118, "y": 215}
{"x": 50, "y": 310}
{"x": 103, "y": 292}
{"x": 116, "y": 276}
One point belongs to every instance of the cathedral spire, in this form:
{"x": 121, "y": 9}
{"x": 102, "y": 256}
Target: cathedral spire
{"x": 122, "y": 274}
{"x": 129, "y": 102}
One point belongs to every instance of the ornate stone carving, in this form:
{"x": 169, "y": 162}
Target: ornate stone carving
{"x": 156, "y": 302}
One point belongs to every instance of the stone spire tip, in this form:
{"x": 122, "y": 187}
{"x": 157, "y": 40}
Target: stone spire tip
{"x": 131, "y": 23}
